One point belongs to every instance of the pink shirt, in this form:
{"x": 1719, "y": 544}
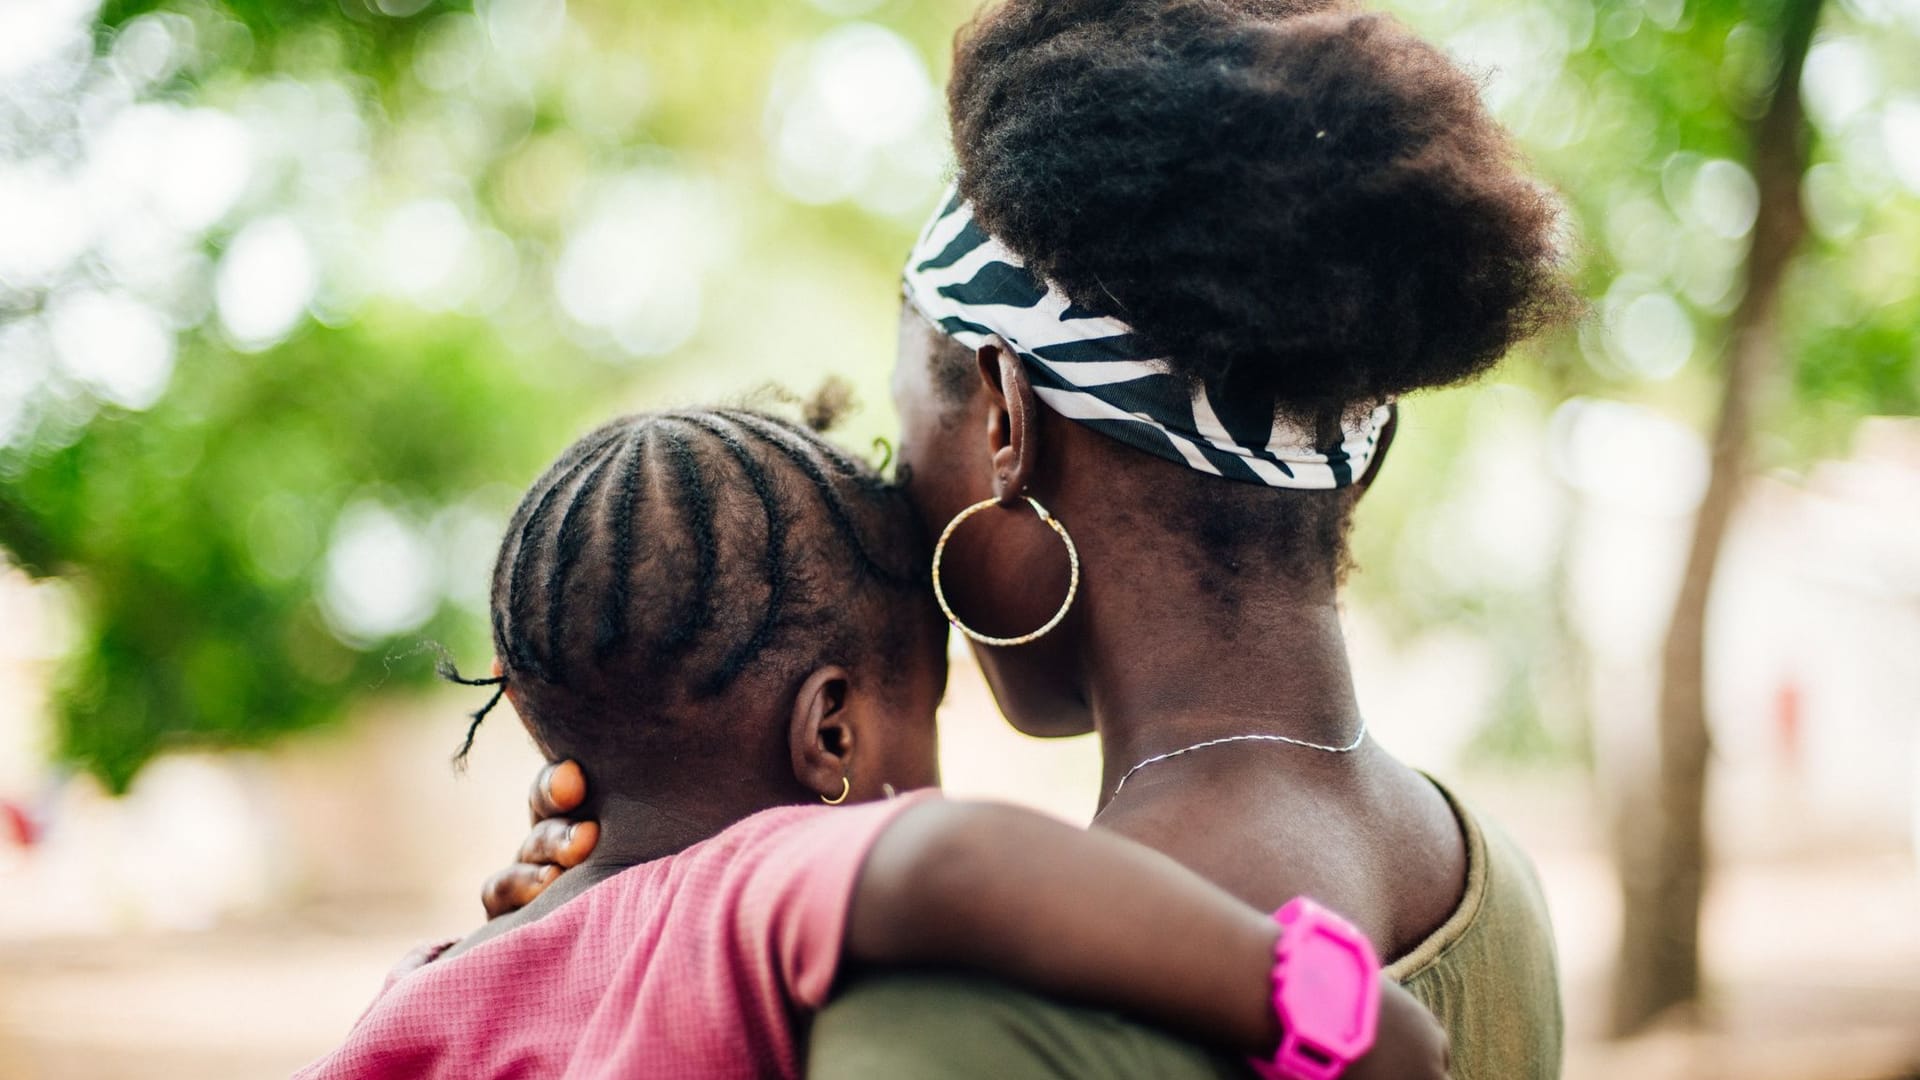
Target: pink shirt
{"x": 695, "y": 965}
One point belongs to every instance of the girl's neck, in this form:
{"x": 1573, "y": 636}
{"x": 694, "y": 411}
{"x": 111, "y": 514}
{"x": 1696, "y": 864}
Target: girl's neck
{"x": 634, "y": 829}
{"x": 637, "y": 828}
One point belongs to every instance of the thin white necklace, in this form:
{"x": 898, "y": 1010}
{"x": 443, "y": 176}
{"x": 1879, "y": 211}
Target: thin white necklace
{"x": 1358, "y": 738}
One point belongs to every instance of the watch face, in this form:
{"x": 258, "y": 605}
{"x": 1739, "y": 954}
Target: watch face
{"x": 1328, "y": 993}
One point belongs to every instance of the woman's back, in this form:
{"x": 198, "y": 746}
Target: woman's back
{"x": 1488, "y": 972}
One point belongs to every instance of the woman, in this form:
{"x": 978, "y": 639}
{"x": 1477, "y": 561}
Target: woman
{"x": 1199, "y": 248}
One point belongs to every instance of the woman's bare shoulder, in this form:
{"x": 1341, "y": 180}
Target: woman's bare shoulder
{"x": 1382, "y": 845}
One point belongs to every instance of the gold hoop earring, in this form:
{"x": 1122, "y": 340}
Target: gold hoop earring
{"x": 1073, "y": 580}
{"x": 846, "y": 787}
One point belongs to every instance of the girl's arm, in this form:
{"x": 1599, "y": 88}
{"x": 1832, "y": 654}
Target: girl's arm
{"x": 1093, "y": 918}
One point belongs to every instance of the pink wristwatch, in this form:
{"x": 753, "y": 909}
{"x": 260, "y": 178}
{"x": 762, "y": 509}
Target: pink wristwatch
{"x": 1326, "y": 994}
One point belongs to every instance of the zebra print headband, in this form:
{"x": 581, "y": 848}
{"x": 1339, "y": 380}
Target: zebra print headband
{"x": 1092, "y": 369}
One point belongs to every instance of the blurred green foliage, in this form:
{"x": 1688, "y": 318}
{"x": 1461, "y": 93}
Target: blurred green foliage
{"x": 193, "y": 534}
{"x": 521, "y": 216}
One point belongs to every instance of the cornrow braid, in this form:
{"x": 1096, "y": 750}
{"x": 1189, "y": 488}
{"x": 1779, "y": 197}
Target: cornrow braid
{"x": 806, "y": 443}
{"x": 790, "y": 442}
{"x": 699, "y": 502}
{"x": 776, "y": 553}
{"x": 613, "y": 611}
{"x": 704, "y": 550}
{"x": 567, "y": 544}
{"x": 519, "y": 652}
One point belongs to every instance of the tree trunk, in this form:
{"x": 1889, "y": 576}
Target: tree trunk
{"x": 1664, "y": 854}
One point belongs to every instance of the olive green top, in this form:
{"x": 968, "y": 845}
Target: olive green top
{"x": 1487, "y": 973}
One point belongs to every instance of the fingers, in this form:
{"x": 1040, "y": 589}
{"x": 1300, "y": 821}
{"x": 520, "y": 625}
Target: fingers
{"x": 559, "y": 788}
{"x": 559, "y": 842}
{"x": 554, "y": 845}
{"x": 1410, "y": 1042}
{"x": 515, "y": 887}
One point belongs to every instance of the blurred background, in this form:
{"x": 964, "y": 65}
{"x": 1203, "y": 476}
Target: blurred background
{"x": 297, "y": 295}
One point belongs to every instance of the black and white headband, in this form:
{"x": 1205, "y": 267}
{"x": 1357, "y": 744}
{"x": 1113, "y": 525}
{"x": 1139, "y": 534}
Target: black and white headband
{"x": 1092, "y": 369}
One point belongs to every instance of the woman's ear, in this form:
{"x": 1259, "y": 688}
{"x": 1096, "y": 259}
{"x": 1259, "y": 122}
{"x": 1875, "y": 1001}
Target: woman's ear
{"x": 1012, "y": 409}
{"x": 821, "y": 735}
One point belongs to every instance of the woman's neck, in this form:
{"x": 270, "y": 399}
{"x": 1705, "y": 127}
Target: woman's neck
{"x": 1177, "y": 641}
{"x": 1263, "y": 819}
{"x": 1282, "y": 671}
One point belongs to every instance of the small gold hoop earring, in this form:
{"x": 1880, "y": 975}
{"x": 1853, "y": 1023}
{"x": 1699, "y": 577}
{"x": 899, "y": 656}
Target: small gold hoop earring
{"x": 1073, "y": 580}
{"x": 846, "y": 787}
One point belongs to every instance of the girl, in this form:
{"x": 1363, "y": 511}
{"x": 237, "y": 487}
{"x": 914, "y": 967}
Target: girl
{"x": 721, "y": 618}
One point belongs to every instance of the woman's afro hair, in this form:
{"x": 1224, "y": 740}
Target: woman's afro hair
{"x": 1286, "y": 199}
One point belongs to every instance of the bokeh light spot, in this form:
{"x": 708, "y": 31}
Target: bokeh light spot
{"x": 1900, "y": 133}
{"x": 265, "y": 281}
{"x": 1840, "y": 79}
{"x": 849, "y": 117}
{"x": 1650, "y": 334}
{"x": 1628, "y": 455}
{"x": 115, "y": 346}
{"x": 423, "y": 247}
{"x": 1724, "y": 199}
{"x": 632, "y": 266}
{"x": 380, "y": 575}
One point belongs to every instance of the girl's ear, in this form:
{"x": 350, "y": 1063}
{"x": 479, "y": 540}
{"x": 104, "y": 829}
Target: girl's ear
{"x": 821, "y": 735}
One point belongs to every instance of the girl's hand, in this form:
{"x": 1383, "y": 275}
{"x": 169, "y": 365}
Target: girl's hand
{"x": 1409, "y": 1043}
{"x": 555, "y": 843}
